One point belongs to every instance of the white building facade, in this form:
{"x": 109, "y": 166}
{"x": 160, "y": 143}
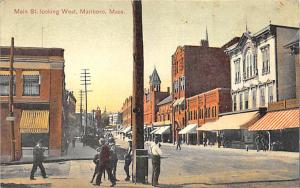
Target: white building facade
{"x": 259, "y": 72}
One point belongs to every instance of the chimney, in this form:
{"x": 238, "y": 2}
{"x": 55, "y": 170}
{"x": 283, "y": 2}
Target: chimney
{"x": 168, "y": 89}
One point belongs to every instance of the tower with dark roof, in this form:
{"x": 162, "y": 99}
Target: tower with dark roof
{"x": 154, "y": 81}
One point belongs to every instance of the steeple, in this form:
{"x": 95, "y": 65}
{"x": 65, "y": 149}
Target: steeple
{"x": 205, "y": 42}
{"x": 206, "y": 34}
{"x": 154, "y": 81}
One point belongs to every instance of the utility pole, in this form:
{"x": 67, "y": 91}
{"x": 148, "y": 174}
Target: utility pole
{"x": 93, "y": 121}
{"x": 85, "y": 76}
{"x": 80, "y": 97}
{"x": 140, "y": 164}
{"x": 11, "y": 100}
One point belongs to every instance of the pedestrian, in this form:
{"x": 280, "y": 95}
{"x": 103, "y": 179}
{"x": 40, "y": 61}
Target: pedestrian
{"x": 127, "y": 158}
{"x": 219, "y": 140}
{"x": 38, "y": 158}
{"x": 257, "y": 142}
{"x": 156, "y": 156}
{"x": 73, "y": 144}
{"x": 205, "y": 141}
{"x": 96, "y": 162}
{"x": 113, "y": 158}
{"x": 104, "y": 164}
{"x": 178, "y": 143}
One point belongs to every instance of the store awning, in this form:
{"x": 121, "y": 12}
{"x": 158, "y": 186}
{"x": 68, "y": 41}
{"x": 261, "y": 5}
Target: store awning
{"x": 6, "y": 73}
{"x": 34, "y": 121}
{"x": 163, "y": 130}
{"x": 190, "y": 129}
{"x": 231, "y": 122}
{"x": 126, "y": 130}
{"x": 276, "y": 120}
{"x": 178, "y": 101}
{"x": 152, "y": 132}
{"x": 162, "y": 123}
{"x": 31, "y": 73}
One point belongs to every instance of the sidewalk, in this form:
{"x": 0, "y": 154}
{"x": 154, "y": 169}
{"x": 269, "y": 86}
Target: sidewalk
{"x": 124, "y": 144}
{"x": 79, "y": 153}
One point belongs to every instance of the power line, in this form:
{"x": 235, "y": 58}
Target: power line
{"x": 85, "y": 81}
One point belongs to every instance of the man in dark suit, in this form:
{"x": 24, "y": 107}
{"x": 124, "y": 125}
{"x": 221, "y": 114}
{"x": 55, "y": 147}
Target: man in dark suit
{"x": 38, "y": 157}
{"x": 104, "y": 163}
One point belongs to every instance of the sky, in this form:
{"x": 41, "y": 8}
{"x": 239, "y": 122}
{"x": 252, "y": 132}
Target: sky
{"x": 103, "y": 43}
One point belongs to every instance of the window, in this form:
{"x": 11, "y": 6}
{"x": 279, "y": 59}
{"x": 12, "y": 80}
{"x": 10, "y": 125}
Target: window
{"x": 262, "y": 96}
{"x": 4, "y": 84}
{"x": 266, "y": 59}
{"x": 237, "y": 75}
{"x": 234, "y": 102}
{"x": 246, "y": 99}
{"x": 253, "y": 98}
{"x": 270, "y": 92}
{"x": 249, "y": 64}
{"x": 31, "y": 85}
{"x": 241, "y": 101}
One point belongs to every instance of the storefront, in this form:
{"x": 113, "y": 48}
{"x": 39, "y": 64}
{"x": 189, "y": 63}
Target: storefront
{"x": 188, "y": 134}
{"x": 34, "y": 127}
{"x": 280, "y": 128}
{"x": 232, "y": 128}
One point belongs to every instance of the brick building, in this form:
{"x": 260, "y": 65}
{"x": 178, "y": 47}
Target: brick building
{"x": 196, "y": 69}
{"x": 127, "y": 112}
{"x": 39, "y": 83}
{"x": 152, "y": 97}
{"x": 205, "y": 107}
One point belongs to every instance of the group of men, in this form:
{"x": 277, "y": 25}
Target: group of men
{"x": 106, "y": 159}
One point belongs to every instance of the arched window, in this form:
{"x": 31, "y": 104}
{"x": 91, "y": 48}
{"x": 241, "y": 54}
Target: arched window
{"x": 248, "y": 64}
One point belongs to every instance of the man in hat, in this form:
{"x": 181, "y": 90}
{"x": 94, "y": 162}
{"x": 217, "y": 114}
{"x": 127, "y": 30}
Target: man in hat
{"x": 113, "y": 157}
{"x": 156, "y": 155}
{"x": 38, "y": 157}
{"x": 96, "y": 161}
{"x": 127, "y": 158}
{"x": 104, "y": 163}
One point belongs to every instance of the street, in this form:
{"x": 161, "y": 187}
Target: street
{"x": 193, "y": 166}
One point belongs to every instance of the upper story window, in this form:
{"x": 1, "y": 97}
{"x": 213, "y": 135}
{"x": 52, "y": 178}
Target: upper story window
{"x": 265, "y": 51}
{"x": 237, "y": 71}
{"x": 246, "y": 96}
{"x": 249, "y": 64}
{"x": 262, "y": 96}
{"x": 4, "y": 83}
{"x": 254, "y": 98}
{"x": 234, "y": 102}
{"x": 241, "y": 101}
{"x": 31, "y": 83}
{"x": 182, "y": 83}
{"x": 270, "y": 92}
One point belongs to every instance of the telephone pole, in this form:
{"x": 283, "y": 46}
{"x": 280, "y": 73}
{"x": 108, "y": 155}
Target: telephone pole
{"x": 80, "y": 97}
{"x": 85, "y": 79}
{"x": 140, "y": 164}
{"x": 11, "y": 100}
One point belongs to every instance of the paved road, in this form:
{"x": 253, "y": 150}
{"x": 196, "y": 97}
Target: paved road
{"x": 190, "y": 167}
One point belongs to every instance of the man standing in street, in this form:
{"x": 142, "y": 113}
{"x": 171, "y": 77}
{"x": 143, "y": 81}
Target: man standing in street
{"x": 38, "y": 157}
{"x": 156, "y": 155}
{"x": 178, "y": 143}
{"x": 104, "y": 163}
{"x": 127, "y": 158}
{"x": 113, "y": 157}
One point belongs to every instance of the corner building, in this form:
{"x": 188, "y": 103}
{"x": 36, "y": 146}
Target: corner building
{"x": 39, "y": 83}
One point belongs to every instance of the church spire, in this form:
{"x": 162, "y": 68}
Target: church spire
{"x": 206, "y": 35}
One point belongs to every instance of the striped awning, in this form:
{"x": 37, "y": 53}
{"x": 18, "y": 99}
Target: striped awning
{"x": 275, "y": 120}
{"x": 34, "y": 121}
{"x": 6, "y": 73}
